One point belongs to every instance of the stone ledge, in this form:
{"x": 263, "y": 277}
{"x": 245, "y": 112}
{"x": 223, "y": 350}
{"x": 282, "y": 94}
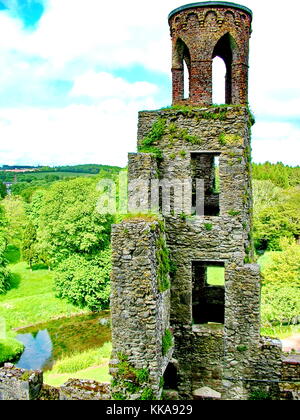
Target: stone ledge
{"x": 78, "y": 389}
{"x": 206, "y": 393}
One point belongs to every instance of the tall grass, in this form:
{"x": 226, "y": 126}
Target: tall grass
{"x": 91, "y": 364}
{"x": 10, "y": 349}
{"x": 83, "y": 360}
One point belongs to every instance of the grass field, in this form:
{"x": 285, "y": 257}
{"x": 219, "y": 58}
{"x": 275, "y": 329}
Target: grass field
{"x": 32, "y": 299}
{"x": 281, "y": 332}
{"x": 91, "y": 364}
{"x": 94, "y": 373}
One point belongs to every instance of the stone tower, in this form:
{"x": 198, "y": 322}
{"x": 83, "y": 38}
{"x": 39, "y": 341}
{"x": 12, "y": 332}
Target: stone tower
{"x": 185, "y": 289}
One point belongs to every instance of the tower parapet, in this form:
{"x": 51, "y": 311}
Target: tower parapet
{"x": 200, "y": 32}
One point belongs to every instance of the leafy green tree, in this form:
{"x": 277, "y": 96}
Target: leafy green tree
{"x": 279, "y": 174}
{"x": 5, "y": 275}
{"x": 85, "y": 282}
{"x": 276, "y": 215}
{"x": 16, "y": 219}
{"x": 29, "y": 245}
{"x": 280, "y": 305}
{"x": 285, "y": 267}
{"x": 3, "y": 190}
{"x": 281, "y": 285}
{"x": 67, "y": 221}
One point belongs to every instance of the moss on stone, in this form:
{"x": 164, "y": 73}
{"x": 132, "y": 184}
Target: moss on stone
{"x": 156, "y": 133}
{"x": 163, "y": 262}
{"x": 142, "y": 217}
{"x": 167, "y": 342}
{"x": 161, "y": 382}
{"x": 147, "y": 395}
{"x": 26, "y": 376}
{"x": 129, "y": 380}
{"x": 242, "y": 349}
{"x": 155, "y": 151}
{"x": 230, "y": 139}
{"x": 234, "y": 213}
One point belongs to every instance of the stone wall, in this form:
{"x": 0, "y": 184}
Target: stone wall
{"x": 25, "y": 385}
{"x": 290, "y": 377}
{"x": 19, "y": 384}
{"x": 140, "y": 309}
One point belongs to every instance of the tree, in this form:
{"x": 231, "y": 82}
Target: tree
{"x": 281, "y": 285}
{"x": 67, "y": 221}
{"x": 16, "y": 219}
{"x": 3, "y": 190}
{"x": 279, "y": 174}
{"x": 85, "y": 282}
{"x": 5, "y": 275}
{"x": 276, "y": 215}
{"x": 29, "y": 246}
{"x": 285, "y": 267}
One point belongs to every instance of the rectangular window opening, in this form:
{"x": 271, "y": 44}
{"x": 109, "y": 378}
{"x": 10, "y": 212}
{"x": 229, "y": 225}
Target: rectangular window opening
{"x": 208, "y": 292}
{"x": 205, "y": 166}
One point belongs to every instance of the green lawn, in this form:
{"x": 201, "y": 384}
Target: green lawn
{"x": 94, "y": 373}
{"x": 281, "y": 332}
{"x": 216, "y": 276}
{"x": 32, "y": 299}
{"x": 91, "y": 364}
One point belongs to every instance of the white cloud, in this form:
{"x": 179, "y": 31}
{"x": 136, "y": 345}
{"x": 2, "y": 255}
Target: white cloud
{"x": 84, "y": 42}
{"x": 276, "y": 141}
{"x": 104, "y": 85}
{"x": 101, "y": 133}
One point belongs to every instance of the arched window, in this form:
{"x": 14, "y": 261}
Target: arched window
{"x": 218, "y": 82}
{"x": 186, "y": 81}
{"x": 224, "y": 50}
{"x": 182, "y": 63}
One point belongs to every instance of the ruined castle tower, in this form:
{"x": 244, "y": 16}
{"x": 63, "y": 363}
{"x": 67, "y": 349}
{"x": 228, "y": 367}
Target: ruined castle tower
{"x": 174, "y": 325}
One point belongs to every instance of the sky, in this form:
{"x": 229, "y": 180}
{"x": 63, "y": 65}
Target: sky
{"x": 74, "y": 74}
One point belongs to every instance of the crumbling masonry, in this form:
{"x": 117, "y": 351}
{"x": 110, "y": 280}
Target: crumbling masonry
{"x": 216, "y": 340}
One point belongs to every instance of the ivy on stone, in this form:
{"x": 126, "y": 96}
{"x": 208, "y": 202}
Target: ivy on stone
{"x": 167, "y": 342}
{"x": 163, "y": 262}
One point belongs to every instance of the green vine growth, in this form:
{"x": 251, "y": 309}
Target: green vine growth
{"x": 167, "y": 342}
{"x": 155, "y": 135}
{"x": 163, "y": 261}
{"x": 128, "y": 381}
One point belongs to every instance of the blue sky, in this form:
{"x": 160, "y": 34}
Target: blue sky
{"x": 73, "y": 76}
{"x": 29, "y": 11}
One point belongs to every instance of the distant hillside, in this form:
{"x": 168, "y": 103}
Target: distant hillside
{"x": 283, "y": 176}
{"x": 55, "y": 173}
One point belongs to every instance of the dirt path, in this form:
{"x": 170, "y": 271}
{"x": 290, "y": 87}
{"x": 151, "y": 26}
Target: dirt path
{"x": 291, "y": 343}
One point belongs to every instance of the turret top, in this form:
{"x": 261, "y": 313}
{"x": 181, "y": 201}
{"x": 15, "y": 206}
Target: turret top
{"x": 211, "y": 4}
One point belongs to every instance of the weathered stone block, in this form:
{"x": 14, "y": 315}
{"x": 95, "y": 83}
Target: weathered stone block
{"x": 78, "y": 389}
{"x": 19, "y": 384}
